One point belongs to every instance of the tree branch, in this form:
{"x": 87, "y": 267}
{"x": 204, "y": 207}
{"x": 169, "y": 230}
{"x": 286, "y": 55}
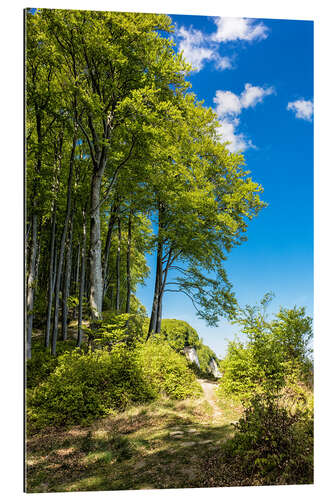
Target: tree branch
{"x": 111, "y": 184}
{"x": 89, "y": 142}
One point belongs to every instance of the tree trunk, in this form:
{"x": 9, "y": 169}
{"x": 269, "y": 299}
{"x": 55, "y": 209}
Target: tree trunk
{"x": 159, "y": 300}
{"x": 128, "y": 263}
{"x": 37, "y": 264}
{"x": 51, "y": 282}
{"x": 153, "y": 316}
{"x": 31, "y": 284}
{"x": 32, "y": 268}
{"x": 96, "y": 274}
{"x": 112, "y": 220}
{"x": 75, "y": 286}
{"x": 82, "y": 282}
{"x": 159, "y": 307}
{"x": 62, "y": 247}
{"x": 67, "y": 277}
{"x": 118, "y": 268}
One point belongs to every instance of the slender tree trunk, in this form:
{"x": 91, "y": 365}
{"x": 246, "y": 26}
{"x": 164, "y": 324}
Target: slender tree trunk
{"x": 87, "y": 282}
{"x": 77, "y": 275}
{"x": 27, "y": 234}
{"x": 33, "y": 254}
{"x": 67, "y": 277}
{"x": 159, "y": 307}
{"x": 128, "y": 263}
{"x": 37, "y": 264}
{"x": 118, "y": 268}
{"x": 62, "y": 247}
{"x": 82, "y": 282}
{"x": 51, "y": 282}
{"x": 158, "y": 278}
{"x": 31, "y": 284}
{"x": 76, "y": 286}
{"x": 96, "y": 274}
{"x": 163, "y": 278}
{"x": 112, "y": 220}
{"x": 153, "y": 316}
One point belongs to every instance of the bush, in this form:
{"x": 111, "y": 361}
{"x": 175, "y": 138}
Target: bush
{"x": 271, "y": 445}
{"x": 81, "y": 387}
{"x": 241, "y": 374}
{"x": 42, "y": 363}
{"x": 275, "y": 352}
{"x": 179, "y": 334}
{"x": 116, "y": 329}
{"x": 166, "y": 371}
{"x": 39, "y": 368}
{"x": 86, "y": 386}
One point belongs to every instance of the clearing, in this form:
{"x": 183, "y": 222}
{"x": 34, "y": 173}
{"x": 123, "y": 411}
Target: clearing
{"x": 158, "y": 445}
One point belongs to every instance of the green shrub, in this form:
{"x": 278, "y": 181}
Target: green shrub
{"x": 116, "y": 329}
{"x": 271, "y": 445}
{"x": 241, "y": 374}
{"x": 275, "y": 353}
{"x": 86, "y": 386}
{"x": 179, "y": 334}
{"x": 42, "y": 363}
{"x": 166, "y": 371}
{"x": 39, "y": 368}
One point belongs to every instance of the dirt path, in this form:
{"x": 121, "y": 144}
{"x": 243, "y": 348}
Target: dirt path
{"x": 162, "y": 444}
{"x": 209, "y": 389}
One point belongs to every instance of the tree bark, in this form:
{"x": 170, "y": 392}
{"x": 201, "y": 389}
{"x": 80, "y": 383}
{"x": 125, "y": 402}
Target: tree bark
{"x": 82, "y": 282}
{"x": 128, "y": 263}
{"x": 118, "y": 268}
{"x": 51, "y": 282}
{"x": 32, "y": 268}
{"x": 112, "y": 220}
{"x": 37, "y": 263}
{"x": 62, "y": 246}
{"x": 77, "y": 286}
{"x": 159, "y": 304}
{"x": 67, "y": 277}
{"x": 31, "y": 284}
{"x": 153, "y": 316}
{"x": 96, "y": 274}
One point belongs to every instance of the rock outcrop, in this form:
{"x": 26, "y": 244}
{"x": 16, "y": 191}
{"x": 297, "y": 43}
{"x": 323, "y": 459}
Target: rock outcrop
{"x": 214, "y": 369}
{"x": 191, "y": 354}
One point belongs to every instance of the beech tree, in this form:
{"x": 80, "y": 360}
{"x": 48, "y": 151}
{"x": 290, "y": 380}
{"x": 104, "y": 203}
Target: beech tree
{"x": 203, "y": 201}
{"x": 117, "y": 146}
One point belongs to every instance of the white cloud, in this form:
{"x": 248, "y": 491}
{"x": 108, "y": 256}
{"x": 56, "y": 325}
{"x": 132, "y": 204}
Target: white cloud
{"x": 302, "y": 109}
{"x": 229, "y": 106}
{"x": 193, "y": 47}
{"x": 238, "y": 28}
{"x": 253, "y": 95}
{"x": 227, "y": 103}
{"x": 227, "y": 133}
{"x": 223, "y": 62}
{"x": 199, "y": 47}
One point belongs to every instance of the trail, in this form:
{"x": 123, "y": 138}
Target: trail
{"x": 162, "y": 444}
{"x": 209, "y": 389}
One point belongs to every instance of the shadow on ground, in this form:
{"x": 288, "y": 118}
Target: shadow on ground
{"x": 158, "y": 446}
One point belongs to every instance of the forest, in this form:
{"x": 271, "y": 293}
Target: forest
{"x": 123, "y": 161}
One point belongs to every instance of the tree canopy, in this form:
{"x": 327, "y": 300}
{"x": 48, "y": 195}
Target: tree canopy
{"x": 123, "y": 160}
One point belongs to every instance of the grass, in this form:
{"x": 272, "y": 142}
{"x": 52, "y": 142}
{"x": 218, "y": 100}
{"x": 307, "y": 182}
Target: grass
{"x": 158, "y": 445}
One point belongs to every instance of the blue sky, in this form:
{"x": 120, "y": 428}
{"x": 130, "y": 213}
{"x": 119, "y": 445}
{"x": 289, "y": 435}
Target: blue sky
{"x": 258, "y": 76}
